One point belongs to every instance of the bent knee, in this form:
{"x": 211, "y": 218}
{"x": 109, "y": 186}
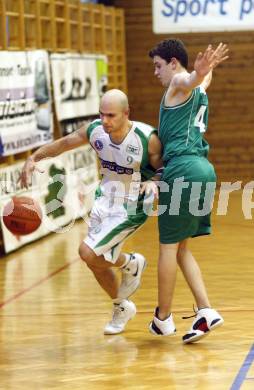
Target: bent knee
{"x": 86, "y": 253}
{"x": 90, "y": 258}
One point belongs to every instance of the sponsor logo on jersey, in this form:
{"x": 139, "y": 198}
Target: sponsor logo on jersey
{"x": 113, "y": 146}
{"x": 132, "y": 149}
{"x": 98, "y": 144}
{"x": 112, "y": 166}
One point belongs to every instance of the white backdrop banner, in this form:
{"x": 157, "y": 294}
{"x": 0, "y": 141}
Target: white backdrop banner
{"x": 78, "y": 80}
{"x": 182, "y": 16}
{"x": 65, "y": 192}
{"x": 26, "y": 119}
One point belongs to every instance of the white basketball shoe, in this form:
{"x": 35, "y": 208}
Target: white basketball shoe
{"x": 131, "y": 275}
{"x": 122, "y": 313}
{"x": 205, "y": 320}
{"x": 162, "y": 328}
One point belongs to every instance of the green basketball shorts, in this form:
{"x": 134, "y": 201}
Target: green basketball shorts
{"x": 185, "y": 199}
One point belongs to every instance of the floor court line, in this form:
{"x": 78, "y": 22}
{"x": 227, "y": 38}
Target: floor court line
{"x": 38, "y": 283}
{"x": 242, "y": 374}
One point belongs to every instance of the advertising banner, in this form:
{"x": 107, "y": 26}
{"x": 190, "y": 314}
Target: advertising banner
{"x": 64, "y": 192}
{"x": 26, "y": 120}
{"x": 79, "y": 80}
{"x": 182, "y": 16}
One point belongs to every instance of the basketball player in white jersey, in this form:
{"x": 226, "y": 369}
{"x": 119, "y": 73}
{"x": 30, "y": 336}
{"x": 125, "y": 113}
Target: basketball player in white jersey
{"x": 127, "y": 151}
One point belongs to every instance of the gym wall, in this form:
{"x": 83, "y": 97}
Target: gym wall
{"x": 64, "y": 26}
{"x": 231, "y": 93}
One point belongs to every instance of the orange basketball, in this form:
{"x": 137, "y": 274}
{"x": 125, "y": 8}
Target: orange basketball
{"x": 22, "y": 215}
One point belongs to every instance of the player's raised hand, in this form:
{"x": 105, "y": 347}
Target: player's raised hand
{"x": 27, "y": 171}
{"x": 207, "y": 61}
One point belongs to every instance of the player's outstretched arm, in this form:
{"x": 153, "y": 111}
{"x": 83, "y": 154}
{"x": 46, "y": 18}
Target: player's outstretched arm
{"x": 207, "y": 80}
{"x": 204, "y": 64}
{"x": 207, "y": 61}
{"x": 71, "y": 141}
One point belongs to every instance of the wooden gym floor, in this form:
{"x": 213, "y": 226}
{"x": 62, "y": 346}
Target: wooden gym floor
{"x": 53, "y": 313}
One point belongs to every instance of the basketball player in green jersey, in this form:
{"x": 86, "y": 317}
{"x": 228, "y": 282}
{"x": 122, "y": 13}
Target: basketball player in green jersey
{"x": 125, "y": 149}
{"x": 187, "y": 175}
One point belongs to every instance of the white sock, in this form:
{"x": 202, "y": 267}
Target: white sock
{"x": 127, "y": 259}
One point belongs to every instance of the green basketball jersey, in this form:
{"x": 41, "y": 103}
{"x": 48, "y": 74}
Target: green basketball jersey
{"x": 181, "y": 127}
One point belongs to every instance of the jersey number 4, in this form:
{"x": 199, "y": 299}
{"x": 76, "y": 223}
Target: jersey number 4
{"x": 199, "y": 119}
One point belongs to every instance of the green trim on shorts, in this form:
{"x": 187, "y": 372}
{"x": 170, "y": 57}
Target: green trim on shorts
{"x": 120, "y": 228}
{"x": 98, "y": 193}
{"x": 113, "y": 249}
{"x": 133, "y": 222}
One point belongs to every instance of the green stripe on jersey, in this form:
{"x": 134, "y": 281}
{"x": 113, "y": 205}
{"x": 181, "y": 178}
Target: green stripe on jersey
{"x": 92, "y": 126}
{"x": 146, "y": 169}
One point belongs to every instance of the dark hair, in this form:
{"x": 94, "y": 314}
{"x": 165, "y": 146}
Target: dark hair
{"x": 170, "y": 48}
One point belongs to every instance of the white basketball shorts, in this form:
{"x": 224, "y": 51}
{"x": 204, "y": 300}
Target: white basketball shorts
{"x": 109, "y": 226}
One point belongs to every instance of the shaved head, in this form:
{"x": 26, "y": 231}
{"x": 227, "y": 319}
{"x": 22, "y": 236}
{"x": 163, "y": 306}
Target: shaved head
{"x": 114, "y": 114}
{"x": 115, "y": 98}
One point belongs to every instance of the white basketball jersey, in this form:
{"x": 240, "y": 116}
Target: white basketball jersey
{"x": 125, "y": 165}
